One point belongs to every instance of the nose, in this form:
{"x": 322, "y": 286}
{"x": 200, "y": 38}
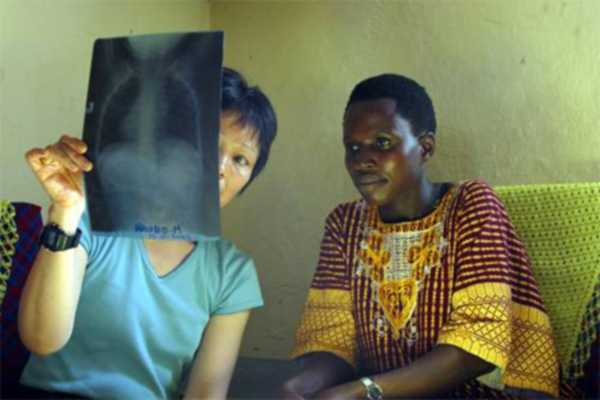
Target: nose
{"x": 363, "y": 159}
{"x": 224, "y": 161}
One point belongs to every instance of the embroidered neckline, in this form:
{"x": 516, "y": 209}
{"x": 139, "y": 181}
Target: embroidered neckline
{"x": 438, "y": 213}
{"x": 397, "y": 257}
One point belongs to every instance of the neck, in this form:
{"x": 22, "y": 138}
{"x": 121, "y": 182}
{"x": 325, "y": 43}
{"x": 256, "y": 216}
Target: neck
{"x": 412, "y": 204}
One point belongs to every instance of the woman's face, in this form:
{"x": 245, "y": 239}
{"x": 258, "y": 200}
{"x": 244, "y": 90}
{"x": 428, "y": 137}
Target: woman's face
{"x": 383, "y": 156}
{"x": 238, "y": 153}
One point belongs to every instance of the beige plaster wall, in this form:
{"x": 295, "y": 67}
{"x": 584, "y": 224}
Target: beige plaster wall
{"x": 516, "y": 85}
{"x": 45, "y": 55}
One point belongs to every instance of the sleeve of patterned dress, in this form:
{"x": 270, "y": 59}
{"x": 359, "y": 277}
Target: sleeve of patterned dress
{"x": 497, "y": 312}
{"x": 327, "y": 323}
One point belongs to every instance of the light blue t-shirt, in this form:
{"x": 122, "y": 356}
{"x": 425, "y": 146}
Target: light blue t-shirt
{"x": 135, "y": 333}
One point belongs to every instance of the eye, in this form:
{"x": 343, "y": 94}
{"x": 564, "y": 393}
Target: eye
{"x": 352, "y": 148}
{"x": 241, "y": 161}
{"x": 383, "y": 142}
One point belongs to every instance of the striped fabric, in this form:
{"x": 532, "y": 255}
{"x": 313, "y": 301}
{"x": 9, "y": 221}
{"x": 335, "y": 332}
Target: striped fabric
{"x": 480, "y": 296}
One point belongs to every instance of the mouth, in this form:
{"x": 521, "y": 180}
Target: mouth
{"x": 221, "y": 185}
{"x": 369, "y": 180}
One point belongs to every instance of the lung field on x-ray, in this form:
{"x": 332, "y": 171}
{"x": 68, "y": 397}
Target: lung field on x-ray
{"x": 150, "y": 158}
{"x": 151, "y": 165}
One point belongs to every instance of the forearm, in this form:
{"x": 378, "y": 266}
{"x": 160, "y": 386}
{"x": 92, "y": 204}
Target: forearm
{"x": 320, "y": 370}
{"x": 51, "y": 293}
{"x": 216, "y": 357}
{"x": 437, "y": 372}
{"x": 440, "y": 371}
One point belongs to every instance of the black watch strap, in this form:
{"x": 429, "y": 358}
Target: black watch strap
{"x": 55, "y": 239}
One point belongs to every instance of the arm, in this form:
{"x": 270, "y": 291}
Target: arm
{"x": 326, "y": 338}
{"x": 215, "y": 361}
{"x": 320, "y": 370}
{"x": 51, "y": 292}
{"x": 437, "y": 372}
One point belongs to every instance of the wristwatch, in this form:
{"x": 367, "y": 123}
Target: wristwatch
{"x": 374, "y": 391}
{"x": 55, "y": 239}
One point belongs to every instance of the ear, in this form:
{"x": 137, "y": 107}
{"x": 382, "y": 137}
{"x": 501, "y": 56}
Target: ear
{"x": 427, "y": 144}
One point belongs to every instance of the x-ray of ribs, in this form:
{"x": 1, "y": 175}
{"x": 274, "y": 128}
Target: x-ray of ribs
{"x": 149, "y": 103}
{"x": 153, "y": 118}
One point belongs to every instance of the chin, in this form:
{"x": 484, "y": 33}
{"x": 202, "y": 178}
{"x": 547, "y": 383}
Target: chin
{"x": 372, "y": 199}
{"x": 226, "y": 199}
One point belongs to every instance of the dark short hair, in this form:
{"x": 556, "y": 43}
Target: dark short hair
{"x": 412, "y": 101}
{"x": 253, "y": 109}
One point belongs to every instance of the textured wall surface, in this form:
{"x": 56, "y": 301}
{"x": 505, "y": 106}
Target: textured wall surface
{"x": 45, "y": 55}
{"x": 515, "y": 85}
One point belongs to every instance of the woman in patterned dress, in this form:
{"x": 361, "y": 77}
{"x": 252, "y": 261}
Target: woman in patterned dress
{"x": 423, "y": 288}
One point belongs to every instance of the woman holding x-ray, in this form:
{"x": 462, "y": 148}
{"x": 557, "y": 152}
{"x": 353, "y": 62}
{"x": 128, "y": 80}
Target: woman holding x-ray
{"x": 123, "y": 317}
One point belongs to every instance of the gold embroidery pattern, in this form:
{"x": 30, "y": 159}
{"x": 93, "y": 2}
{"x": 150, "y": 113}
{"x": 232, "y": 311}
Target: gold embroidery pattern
{"x": 398, "y": 300}
{"x": 375, "y": 256}
{"x": 425, "y": 255}
{"x": 397, "y": 263}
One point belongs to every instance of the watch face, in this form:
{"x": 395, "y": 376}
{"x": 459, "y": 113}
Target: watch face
{"x": 374, "y": 393}
{"x": 55, "y": 239}
{"x": 373, "y": 390}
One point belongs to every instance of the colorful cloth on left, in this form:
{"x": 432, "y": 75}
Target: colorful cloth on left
{"x": 385, "y": 294}
{"x": 8, "y": 239}
{"x": 14, "y": 355}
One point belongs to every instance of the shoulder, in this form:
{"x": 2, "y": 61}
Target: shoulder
{"x": 229, "y": 249}
{"x": 226, "y": 255}
{"x": 238, "y": 285}
{"x": 344, "y": 214}
{"x": 474, "y": 188}
{"x": 477, "y": 196}
{"x": 478, "y": 206}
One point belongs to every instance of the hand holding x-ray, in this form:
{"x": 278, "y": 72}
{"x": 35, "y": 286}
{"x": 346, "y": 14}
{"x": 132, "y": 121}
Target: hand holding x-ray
{"x": 59, "y": 168}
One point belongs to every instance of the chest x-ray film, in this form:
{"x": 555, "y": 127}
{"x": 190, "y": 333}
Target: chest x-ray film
{"x": 152, "y": 129}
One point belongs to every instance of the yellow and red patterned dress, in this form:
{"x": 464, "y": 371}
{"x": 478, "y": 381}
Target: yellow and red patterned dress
{"x": 385, "y": 294}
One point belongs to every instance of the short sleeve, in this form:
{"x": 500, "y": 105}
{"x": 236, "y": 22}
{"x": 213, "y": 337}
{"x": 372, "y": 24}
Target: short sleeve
{"x": 497, "y": 313}
{"x": 240, "y": 289}
{"x": 327, "y": 323}
{"x": 87, "y": 240}
{"x": 480, "y": 317}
